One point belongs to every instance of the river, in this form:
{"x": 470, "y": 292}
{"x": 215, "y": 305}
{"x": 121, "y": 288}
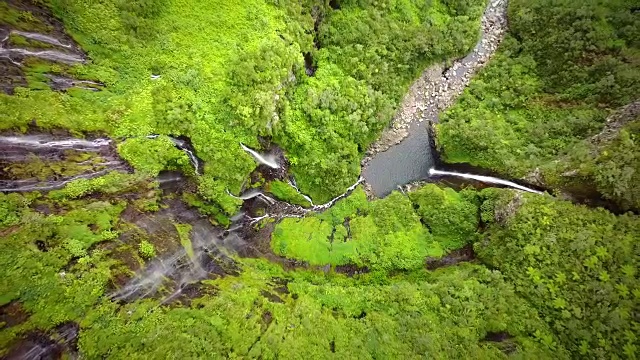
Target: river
{"x": 411, "y": 159}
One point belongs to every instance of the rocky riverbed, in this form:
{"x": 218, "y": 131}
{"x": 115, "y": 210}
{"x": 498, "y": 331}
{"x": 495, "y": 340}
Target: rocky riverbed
{"x": 438, "y": 87}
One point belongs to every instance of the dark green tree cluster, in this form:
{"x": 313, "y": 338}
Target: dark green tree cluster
{"x": 610, "y": 167}
{"x": 577, "y": 266}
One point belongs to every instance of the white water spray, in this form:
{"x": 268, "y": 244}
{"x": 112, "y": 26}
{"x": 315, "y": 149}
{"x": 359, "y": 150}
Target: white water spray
{"x": 251, "y": 194}
{"x": 43, "y": 142}
{"x": 341, "y": 196}
{"x": 484, "y": 179}
{"x": 268, "y": 160}
{"x": 293, "y": 184}
{"x": 42, "y": 38}
{"x": 50, "y": 55}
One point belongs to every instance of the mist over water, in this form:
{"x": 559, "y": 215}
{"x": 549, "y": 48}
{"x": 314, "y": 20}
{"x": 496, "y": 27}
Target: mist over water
{"x": 268, "y": 160}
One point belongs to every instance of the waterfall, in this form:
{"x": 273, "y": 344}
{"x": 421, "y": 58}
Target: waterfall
{"x": 268, "y": 160}
{"x": 50, "y": 55}
{"x": 294, "y": 185}
{"x": 252, "y": 194}
{"x": 42, "y": 38}
{"x": 38, "y": 142}
{"x": 182, "y": 145}
{"x": 484, "y": 179}
{"x": 341, "y": 196}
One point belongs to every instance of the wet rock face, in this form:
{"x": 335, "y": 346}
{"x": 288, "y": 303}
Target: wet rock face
{"x": 464, "y": 254}
{"x": 43, "y": 162}
{"x": 38, "y": 345}
{"x": 12, "y": 314}
{"x": 44, "y": 39}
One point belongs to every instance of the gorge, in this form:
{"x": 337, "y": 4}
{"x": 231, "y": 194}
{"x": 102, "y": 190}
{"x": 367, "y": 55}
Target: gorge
{"x": 318, "y": 179}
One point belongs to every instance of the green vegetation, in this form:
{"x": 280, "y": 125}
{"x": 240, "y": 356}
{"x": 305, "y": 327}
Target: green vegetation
{"x": 563, "y": 67}
{"x": 72, "y": 164}
{"x": 285, "y": 192}
{"x": 238, "y": 72}
{"x": 321, "y": 79}
{"x": 451, "y": 217}
{"x": 51, "y": 263}
{"x": 184, "y": 232}
{"x": 576, "y": 265}
{"x": 610, "y": 167}
{"x": 113, "y": 183}
{"x": 150, "y": 156}
{"x": 327, "y": 317}
{"x": 146, "y": 250}
{"x": 381, "y": 235}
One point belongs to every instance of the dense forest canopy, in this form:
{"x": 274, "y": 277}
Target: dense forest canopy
{"x": 564, "y": 67}
{"x": 166, "y": 238}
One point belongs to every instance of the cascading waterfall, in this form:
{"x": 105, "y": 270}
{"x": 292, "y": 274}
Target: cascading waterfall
{"x": 39, "y": 141}
{"x": 268, "y": 160}
{"x": 484, "y": 179}
{"x": 42, "y": 38}
{"x": 294, "y": 185}
{"x": 50, "y": 55}
{"x": 24, "y": 149}
{"x": 182, "y": 145}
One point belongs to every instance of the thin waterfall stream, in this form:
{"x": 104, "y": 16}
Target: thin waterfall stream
{"x": 484, "y": 179}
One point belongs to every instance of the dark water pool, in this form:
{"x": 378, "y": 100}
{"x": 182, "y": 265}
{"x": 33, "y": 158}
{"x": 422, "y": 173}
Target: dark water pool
{"x": 406, "y": 162}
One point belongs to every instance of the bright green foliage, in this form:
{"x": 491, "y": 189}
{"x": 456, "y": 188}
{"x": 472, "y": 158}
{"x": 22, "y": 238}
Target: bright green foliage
{"x": 382, "y": 235}
{"x": 184, "y": 232}
{"x": 578, "y": 266}
{"x": 616, "y": 168}
{"x": 285, "y": 192}
{"x": 150, "y": 156}
{"x": 327, "y": 317}
{"x": 72, "y": 164}
{"x": 206, "y": 208}
{"x": 47, "y": 265}
{"x": 18, "y": 19}
{"x": 12, "y": 207}
{"x": 560, "y": 68}
{"x": 146, "y": 250}
{"x": 450, "y": 216}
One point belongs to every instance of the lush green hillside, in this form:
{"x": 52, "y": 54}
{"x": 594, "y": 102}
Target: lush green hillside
{"x": 130, "y": 265}
{"x": 563, "y": 67}
{"x": 230, "y": 75}
{"x": 578, "y": 266}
